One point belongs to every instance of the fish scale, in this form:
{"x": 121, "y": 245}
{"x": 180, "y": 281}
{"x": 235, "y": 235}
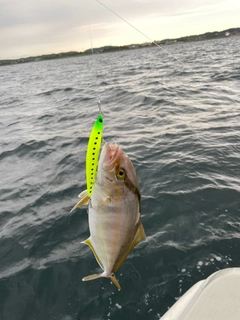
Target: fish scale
{"x": 113, "y": 213}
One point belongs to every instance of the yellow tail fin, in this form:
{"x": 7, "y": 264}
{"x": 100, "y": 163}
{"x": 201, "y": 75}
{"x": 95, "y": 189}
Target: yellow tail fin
{"x": 100, "y": 275}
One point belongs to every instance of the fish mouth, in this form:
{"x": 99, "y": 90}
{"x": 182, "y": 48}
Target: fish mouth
{"x": 111, "y": 156}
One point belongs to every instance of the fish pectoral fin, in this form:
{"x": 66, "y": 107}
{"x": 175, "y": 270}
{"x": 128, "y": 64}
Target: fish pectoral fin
{"x": 89, "y": 243}
{"x": 100, "y": 199}
{"x": 139, "y": 236}
{"x": 80, "y": 203}
{"x": 105, "y": 202}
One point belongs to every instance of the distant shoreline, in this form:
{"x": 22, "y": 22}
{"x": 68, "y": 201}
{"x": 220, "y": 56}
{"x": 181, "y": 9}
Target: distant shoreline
{"x": 205, "y": 36}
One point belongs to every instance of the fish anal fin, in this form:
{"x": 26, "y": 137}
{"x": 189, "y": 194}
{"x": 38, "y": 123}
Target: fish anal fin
{"x": 139, "y": 236}
{"x": 84, "y": 200}
{"x": 89, "y": 243}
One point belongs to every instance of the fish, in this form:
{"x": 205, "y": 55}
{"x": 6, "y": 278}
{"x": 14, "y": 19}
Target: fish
{"x": 113, "y": 212}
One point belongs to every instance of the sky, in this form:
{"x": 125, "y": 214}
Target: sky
{"x": 36, "y": 27}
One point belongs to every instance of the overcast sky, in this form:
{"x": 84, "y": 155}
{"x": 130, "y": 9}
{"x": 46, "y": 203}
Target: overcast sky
{"x": 35, "y": 27}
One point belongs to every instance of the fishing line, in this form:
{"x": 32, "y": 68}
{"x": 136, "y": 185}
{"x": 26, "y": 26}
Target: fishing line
{"x": 94, "y": 63}
{"x": 95, "y": 138}
{"x": 163, "y": 49}
{"x": 90, "y": 35}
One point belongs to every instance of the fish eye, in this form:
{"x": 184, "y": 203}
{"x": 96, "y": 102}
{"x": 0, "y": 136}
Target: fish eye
{"x": 120, "y": 173}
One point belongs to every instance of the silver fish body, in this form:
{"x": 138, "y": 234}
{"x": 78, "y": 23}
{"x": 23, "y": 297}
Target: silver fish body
{"x": 114, "y": 212}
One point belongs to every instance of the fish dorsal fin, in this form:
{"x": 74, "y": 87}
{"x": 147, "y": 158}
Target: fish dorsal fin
{"x": 139, "y": 236}
{"x": 89, "y": 243}
{"x": 84, "y": 200}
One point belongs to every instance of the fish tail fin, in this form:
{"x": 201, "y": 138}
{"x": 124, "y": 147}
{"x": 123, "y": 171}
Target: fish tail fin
{"x": 115, "y": 281}
{"x": 101, "y": 275}
{"x": 92, "y": 277}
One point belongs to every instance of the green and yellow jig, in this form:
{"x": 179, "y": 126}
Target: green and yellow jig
{"x": 93, "y": 150}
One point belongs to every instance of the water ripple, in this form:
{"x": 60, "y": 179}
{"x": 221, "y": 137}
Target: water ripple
{"x": 180, "y": 126}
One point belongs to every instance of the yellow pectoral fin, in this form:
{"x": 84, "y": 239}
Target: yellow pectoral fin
{"x": 88, "y": 242}
{"x": 139, "y": 236}
{"x": 84, "y": 200}
{"x": 100, "y": 199}
{"x": 105, "y": 202}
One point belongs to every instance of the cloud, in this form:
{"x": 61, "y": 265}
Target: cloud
{"x": 45, "y": 26}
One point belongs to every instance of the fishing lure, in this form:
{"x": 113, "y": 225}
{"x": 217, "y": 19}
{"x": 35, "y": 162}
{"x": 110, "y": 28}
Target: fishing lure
{"x": 93, "y": 150}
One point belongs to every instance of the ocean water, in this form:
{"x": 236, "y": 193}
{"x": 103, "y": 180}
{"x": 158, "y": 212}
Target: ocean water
{"x": 180, "y": 125}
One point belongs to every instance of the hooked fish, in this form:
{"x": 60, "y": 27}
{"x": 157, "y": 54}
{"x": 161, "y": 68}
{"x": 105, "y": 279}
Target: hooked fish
{"x": 113, "y": 212}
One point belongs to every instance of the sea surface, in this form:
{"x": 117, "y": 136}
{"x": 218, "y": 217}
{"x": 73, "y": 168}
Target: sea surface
{"x": 177, "y": 115}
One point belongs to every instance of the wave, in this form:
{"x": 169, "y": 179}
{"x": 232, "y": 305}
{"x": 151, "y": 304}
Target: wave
{"x": 182, "y": 135}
